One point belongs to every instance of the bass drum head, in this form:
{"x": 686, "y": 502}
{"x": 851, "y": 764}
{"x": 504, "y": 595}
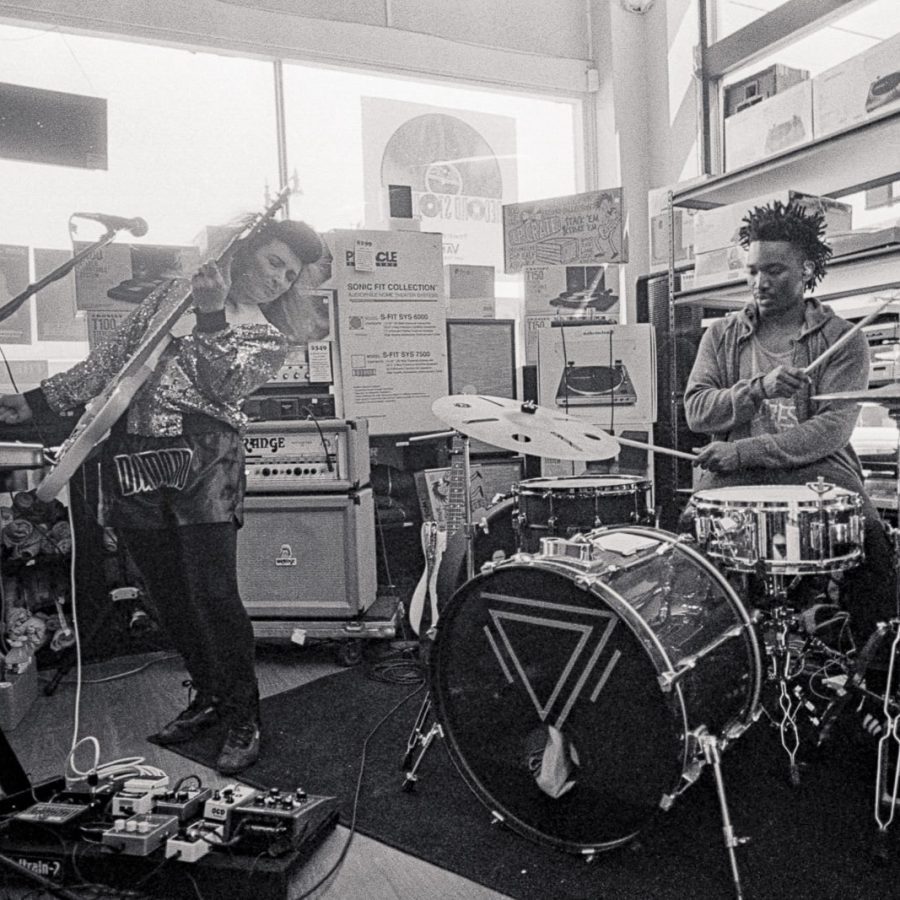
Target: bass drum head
{"x": 525, "y": 657}
{"x": 496, "y": 543}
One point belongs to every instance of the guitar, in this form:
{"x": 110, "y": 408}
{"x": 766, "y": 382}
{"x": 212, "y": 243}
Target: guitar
{"x": 110, "y": 404}
{"x": 434, "y": 542}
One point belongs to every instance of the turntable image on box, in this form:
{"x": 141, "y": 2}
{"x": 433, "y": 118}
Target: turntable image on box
{"x": 883, "y": 90}
{"x": 596, "y": 386}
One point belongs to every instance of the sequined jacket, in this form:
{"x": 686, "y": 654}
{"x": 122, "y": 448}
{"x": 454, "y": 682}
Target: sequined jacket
{"x": 209, "y": 371}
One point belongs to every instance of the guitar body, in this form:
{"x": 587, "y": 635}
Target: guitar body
{"x": 434, "y": 543}
{"x": 110, "y": 405}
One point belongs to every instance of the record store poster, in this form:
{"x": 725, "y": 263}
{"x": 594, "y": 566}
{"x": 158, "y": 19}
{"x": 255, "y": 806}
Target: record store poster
{"x": 55, "y": 304}
{"x": 461, "y": 166}
{"x": 391, "y": 315}
{"x": 15, "y": 329}
{"x": 578, "y": 230}
{"x": 603, "y": 374}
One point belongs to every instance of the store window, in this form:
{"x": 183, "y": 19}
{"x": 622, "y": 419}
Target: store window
{"x": 462, "y": 153}
{"x": 192, "y": 140}
{"x": 172, "y": 159}
{"x": 733, "y": 15}
{"x": 827, "y": 45}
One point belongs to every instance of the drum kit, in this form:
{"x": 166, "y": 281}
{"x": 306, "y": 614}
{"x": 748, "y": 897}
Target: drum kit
{"x": 580, "y": 640}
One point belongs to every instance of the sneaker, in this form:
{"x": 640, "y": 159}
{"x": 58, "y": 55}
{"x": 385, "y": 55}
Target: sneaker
{"x": 202, "y": 713}
{"x": 241, "y": 747}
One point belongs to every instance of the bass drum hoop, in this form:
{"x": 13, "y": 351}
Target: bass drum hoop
{"x": 640, "y": 631}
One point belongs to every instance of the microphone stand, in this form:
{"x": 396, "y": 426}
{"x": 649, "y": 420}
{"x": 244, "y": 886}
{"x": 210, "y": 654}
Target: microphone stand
{"x": 11, "y": 306}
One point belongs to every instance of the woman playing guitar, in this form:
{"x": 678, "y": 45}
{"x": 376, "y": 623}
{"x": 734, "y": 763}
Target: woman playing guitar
{"x": 173, "y": 465}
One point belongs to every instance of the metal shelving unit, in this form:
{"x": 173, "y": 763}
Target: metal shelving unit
{"x": 836, "y": 165}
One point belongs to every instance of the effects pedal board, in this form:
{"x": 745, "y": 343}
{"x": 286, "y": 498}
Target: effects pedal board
{"x": 279, "y": 820}
{"x": 233, "y": 841}
{"x": 140, "y": 835}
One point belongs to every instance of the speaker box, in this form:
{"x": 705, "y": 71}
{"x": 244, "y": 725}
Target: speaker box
{"x": 308, "y": 557}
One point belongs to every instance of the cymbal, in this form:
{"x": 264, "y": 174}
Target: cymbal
{"x": 888, "y": 393}
{"x": 524, "y": 428}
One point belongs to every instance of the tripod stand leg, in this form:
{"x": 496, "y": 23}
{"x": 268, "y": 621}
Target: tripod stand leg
{"x": 711, "y": 752}
{"x": 409, "y": 783}
{"x": 416, "y": 738}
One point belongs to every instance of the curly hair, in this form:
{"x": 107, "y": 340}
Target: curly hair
{"x": 791, "y": 223}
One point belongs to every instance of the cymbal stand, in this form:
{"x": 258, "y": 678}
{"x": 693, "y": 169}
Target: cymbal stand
{"x": 419, "y": 737}
{"x": 887, "y": 776}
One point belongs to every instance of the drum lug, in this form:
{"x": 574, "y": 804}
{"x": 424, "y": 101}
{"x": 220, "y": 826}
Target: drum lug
{"x": 668, "y": 679}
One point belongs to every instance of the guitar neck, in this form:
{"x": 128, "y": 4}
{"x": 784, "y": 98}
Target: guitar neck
{"x": 455, "y": 509}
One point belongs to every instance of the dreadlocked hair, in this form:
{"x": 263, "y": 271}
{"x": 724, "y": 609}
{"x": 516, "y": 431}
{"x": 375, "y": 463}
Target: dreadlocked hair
{"x": 791, "y": 223}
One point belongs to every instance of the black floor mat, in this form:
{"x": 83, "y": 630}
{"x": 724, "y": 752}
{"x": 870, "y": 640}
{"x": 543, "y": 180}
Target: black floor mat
{"x": 815, "y": 840}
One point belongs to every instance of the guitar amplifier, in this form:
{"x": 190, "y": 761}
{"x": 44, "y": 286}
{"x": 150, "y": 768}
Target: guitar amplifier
{"x": 319, "y": 455}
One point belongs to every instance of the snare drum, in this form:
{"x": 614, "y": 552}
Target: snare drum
{"x": 787, "y": 529}
{"x": 600, "y": 661}
{"x": 562, "y": 507}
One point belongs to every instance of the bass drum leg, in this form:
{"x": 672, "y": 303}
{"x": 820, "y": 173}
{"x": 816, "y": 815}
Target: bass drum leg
{"x": 495, "y": 539}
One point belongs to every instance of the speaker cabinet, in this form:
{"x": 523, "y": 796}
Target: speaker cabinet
{"x": 308, "y": 557}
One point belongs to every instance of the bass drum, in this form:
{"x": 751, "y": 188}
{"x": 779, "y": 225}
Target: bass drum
{"x": 495, "y": 540}
{"x": 572, "y": 686}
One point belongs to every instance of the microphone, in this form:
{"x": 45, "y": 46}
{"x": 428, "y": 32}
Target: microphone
{"x": 137, "y": 226}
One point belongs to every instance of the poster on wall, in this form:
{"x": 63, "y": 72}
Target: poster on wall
{"x": 578, "y": 230}
{"x": 391, "y": 327}
{"x": 55, "y": 304}
{"x": 16, "y": 329}
{"x": 119, "y": 276}
{"x": 603, "y": 374}
{"x": 459, "y": 164}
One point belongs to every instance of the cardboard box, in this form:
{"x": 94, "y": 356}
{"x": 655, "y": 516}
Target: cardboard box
{"x": 582, "y": 292}
{"x": 719, "y": 227}
{"x": 471, "y": 308}
{"x": 863, "y": 86}
{"x": 604, "y": 374}
{"x": 775, "y": 124}
{"x": 723, "y": 265}
{"x": 468, "y": 281}
{"x": 470, "y": 291}
{"x": 658, "y": 214}
{"x": 755, "y": 88}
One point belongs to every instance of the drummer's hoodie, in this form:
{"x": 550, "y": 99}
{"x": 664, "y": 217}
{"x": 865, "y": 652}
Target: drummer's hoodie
{"x": 720, "y": 403}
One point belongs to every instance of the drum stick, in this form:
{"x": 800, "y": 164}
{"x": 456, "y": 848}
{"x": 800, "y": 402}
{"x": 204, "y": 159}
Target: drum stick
{"x": 847, "y": 335}
{"x": 655, "y": 449}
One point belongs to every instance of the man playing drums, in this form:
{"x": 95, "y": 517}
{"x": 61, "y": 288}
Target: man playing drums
{"x": 748, "y": 389}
